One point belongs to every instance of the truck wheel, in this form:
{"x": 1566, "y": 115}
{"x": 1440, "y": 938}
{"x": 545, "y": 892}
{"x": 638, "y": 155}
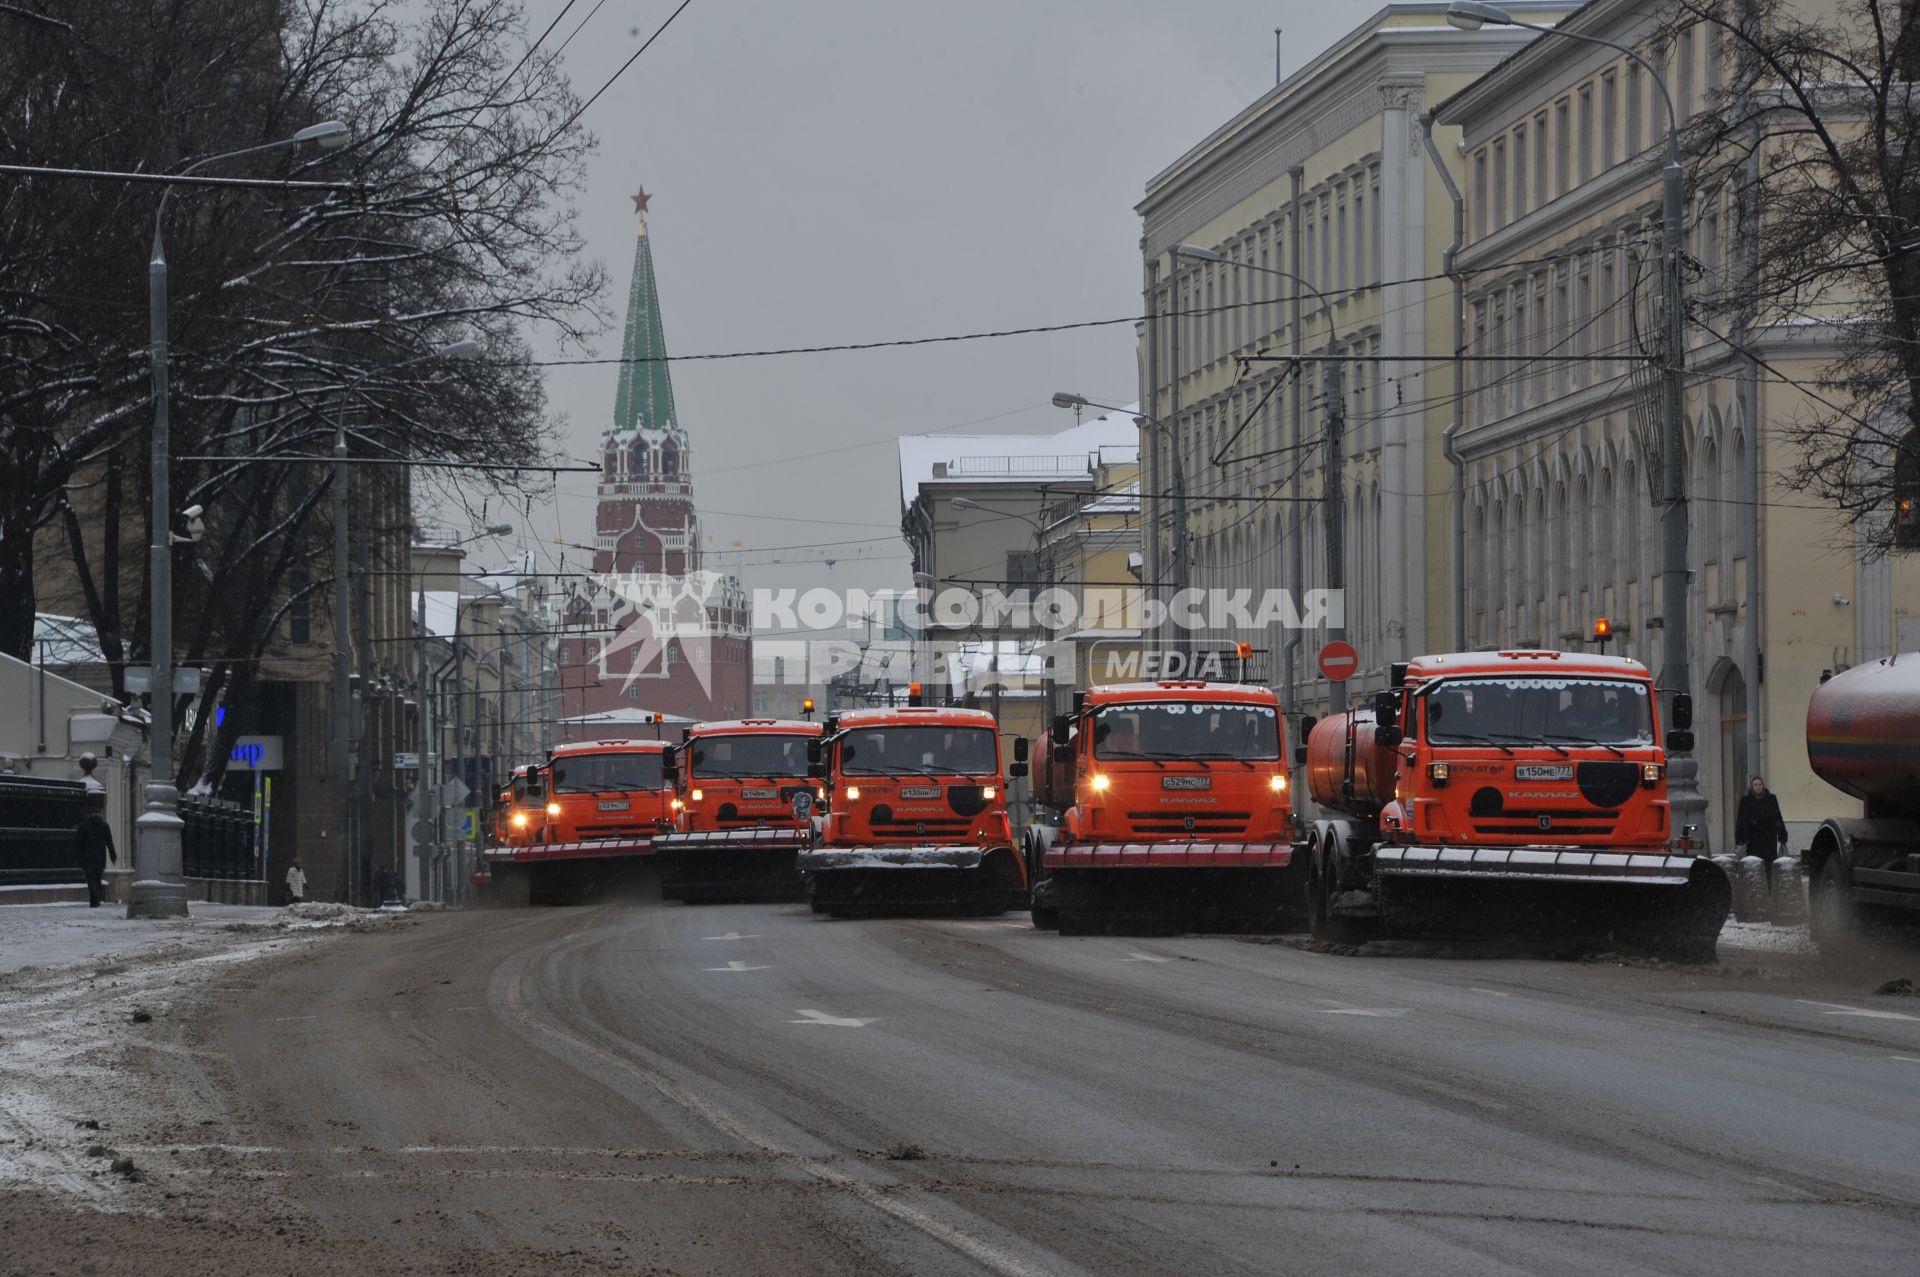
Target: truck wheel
{"x": 1832, "y": 916}
{"x": 1045, "y": 914}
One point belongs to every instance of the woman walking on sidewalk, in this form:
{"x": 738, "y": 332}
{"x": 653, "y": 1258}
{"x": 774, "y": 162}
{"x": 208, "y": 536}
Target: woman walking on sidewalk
{"x": 296, "y": 883}
{"x": 1758, "y": 828}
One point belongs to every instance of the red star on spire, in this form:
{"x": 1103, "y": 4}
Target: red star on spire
{"x": 640, "y": 200}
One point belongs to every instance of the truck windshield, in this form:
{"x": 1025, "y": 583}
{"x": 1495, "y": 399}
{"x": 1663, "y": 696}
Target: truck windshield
{"x": 919, "y": 751}
{"x": 752, "y": 754}
{"x": 1186, "y": 729}
{"x": 602, "y": 773}
{"x": 1519, "y": 711}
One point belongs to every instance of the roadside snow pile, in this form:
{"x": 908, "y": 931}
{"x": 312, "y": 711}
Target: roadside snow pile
{"x": 312, "y": 915}
{"x": 425, "y": 906}
{"x": 1763, "y": 937}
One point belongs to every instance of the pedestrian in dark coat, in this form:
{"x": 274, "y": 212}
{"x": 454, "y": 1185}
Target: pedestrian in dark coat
{"x": 93, "y": 846}
{"x": 1758, "y": 828}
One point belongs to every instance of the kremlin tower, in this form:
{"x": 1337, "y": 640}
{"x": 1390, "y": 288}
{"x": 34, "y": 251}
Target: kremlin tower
{"x": 651, "y": 631}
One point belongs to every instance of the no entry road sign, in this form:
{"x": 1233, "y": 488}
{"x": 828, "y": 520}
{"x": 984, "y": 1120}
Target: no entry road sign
{"x": 1338, "y": 661}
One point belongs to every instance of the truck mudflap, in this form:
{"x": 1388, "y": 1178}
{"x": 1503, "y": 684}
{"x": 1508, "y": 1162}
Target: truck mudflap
{"x": 930, "y": 879}
{"x": 1143, "y": 888}
{"x": 565, "y": 872}
{"x": 1647, "y": 901}
{"x": 731, "y": 864}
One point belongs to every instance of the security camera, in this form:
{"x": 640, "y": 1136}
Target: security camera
{"x": 196, "y": 526}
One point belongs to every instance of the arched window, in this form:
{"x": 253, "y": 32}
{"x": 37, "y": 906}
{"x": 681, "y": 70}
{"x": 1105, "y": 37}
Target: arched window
{"x": 1906, "y": 493}
{"x": 637, "y": 458}
{"x": 1733, "y": 739}
{"x": 611, "y": 462}
{"x": 669, "y": 460}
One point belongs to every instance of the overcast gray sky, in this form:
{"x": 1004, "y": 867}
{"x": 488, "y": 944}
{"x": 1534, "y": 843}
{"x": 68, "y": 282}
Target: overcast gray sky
{"x": 853, "y": 170}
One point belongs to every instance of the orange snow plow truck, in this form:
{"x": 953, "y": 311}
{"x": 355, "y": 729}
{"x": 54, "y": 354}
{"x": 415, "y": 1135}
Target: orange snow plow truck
{"x": 606, "y": 800}
{"x": 1174, "y": 813}
{"x": 1507, "y": 794}
{"x": 916, "y": 817}
{"x": 742, "y": 811}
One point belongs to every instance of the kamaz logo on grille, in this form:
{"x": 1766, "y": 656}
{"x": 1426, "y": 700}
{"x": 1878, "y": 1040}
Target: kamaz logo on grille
{"x": 921, "y": 827}
{"x": 1186, "y": 782}
{"x": 1546, "y": 822}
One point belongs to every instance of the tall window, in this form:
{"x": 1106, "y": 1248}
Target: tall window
{"x": 1540, "y": 193}
{"x": 1500, "y": 183}
{"x": 1733, "y": 739}
{"x": 1480, "y": 193}
{"x": 1360, "y": 234}
{"x": 1586, "y": 132}
{"x": 1684, "y": 53}
{"x": 1563, "y": 143}
{"x": 1519, "y": 171}
{"x": 1609, "y": 120}
{"x": 1635, "y": 109}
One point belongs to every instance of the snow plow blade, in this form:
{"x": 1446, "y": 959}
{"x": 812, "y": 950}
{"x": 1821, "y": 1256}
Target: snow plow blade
{"x": 1652, "y": 901}
{"x": 730, "y": 864}
{"x": 566, "y": 873}
{"x": 1166, "y": 888}
{"x": 881, "y": 882}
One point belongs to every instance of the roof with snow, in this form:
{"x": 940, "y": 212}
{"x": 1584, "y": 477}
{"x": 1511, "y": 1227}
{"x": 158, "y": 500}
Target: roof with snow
{"x": 974, "y": 459}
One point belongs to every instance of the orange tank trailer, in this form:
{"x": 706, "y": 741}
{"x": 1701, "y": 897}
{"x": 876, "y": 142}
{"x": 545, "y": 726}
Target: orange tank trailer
{"x": 916, "y": 818}
{"x": 1505, "y": 793}
{"x": 743, "y": 808}
{"x": 1175, "y": 812}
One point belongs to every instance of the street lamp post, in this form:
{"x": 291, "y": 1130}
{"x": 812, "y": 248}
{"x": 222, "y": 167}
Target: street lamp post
{"x": 342, "y": 709}
{"x": 1689, "y": 805}
{"x": 159, "y": 890}
{"x": 968, "y": 503}
{"x": 1334, "y": 506}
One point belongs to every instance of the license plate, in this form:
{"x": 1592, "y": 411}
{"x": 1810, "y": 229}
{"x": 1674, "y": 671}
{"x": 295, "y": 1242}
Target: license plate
{"x": 614, "y": 806}
{"x": 1543, "y": 771}
{"x": 759, "y": 793}
{"x": 1186, "y": 782}
{"x": 919, "y": 791}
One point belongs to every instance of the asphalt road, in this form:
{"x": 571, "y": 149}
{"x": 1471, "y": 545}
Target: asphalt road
{"x": 747, "y": 1089}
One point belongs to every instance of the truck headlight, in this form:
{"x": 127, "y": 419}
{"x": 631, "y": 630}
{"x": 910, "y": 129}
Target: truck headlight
{"x": 519, "y": 820}
{"x": 1438, "y": 772}
{"x": 987, "y": 791}
{"x": 696, "y": 795}
{"x": 1278, "y": 784}
{"x": 853, "y": 793}
{"x": 553, "y": 809}
{"x": 1649, "y": 774}
{"x": 1100, "y": 783}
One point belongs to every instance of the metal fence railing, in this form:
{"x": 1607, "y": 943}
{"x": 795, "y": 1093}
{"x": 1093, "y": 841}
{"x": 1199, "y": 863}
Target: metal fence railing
{"x": 217, "y": 840}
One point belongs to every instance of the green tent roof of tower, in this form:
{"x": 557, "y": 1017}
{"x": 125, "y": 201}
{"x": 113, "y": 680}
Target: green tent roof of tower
{"x": 645, "y": 399}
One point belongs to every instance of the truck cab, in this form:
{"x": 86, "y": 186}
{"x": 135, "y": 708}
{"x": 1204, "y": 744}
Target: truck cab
{"x": 520, "y": 811}
{"x": 911, "y": 775}
{"x": 741, "y": 774}
{"x": 1509, "y": 749}
{"x": 605, "y": 789}
{"x": 1145, "y": 762}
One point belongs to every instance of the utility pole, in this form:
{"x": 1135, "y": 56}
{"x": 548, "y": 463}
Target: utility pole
{"x": 366, "y": 728}
{"x": 1336, "y": 510}
{"x": 342, "y": 670}
{"x": 159, "y": 890}
{"x": 1688, "y": 804}
{"x": 1177, "y": 446}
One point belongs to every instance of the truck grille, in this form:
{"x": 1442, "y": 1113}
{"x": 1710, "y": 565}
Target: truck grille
{"x": 1175, "y": 822}
{"x": 1524, "y": 822}
{"x": 918, "y": 828}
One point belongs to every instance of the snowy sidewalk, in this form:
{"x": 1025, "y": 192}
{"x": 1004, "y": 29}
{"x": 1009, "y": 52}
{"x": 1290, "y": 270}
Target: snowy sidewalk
{"x": 56, "y": 935}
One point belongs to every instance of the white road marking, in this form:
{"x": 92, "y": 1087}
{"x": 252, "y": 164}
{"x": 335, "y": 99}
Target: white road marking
{"x": 979, "y": 1250}
{"x": 1495, "y": 992}
{"x": 731, "y": 935}
{"x": 1840, "y": 1008}
{"x": 282, "y": 1019}
{"x": 1144, "y": 957}
{"x": 1910, "y": 1059}
{"x": 837, "y": 1021}
{"x": 1380, "y": 1012}
{"x": 994, "y": 926}
{"x": 737, "y": 966}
